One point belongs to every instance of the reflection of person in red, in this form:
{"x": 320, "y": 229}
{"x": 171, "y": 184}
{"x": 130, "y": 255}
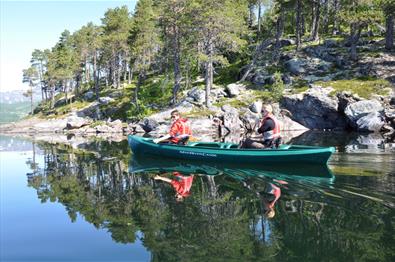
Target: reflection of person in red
{"x": 274, "y": 193}
{"x": 269, "y": 196}
{"x": 181, "y": 184}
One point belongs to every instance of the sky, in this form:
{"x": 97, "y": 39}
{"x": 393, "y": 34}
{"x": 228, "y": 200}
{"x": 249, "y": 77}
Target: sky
{"x": 28, "y": 25}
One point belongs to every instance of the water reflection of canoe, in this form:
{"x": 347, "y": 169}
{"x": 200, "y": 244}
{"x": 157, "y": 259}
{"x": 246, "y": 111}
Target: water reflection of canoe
{"x": 228, "y": 152}
{"x": 151, "y": 164}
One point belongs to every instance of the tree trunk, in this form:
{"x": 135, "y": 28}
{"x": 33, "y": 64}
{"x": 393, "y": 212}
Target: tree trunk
{"x": 389, "y": 33}
{"x": 87, "y": 72}
{"x": 78, "y": 80}
{"x": 316, "y": 20}
{"x": 65, "y": 90}
{"x": 298, "y": 23}
{"x": 114, "y": 71}
{"x": 279, "y": 27}
{"x": 130, "y": 77}
{"x": 118, "y": 62}
{"x": 41, "y": 73}
{"x": 125, "y": 70}
{"x": 336, "y": 8}
{"x": 209, "y": 73}
{"x": 326, "y": 17}
{"x": 95, "y": 77}
{"x": 259, "y": 16}
{"x": 187, "y": 77}
{"x": 355, "y": 34}
{"x": 136, "y": 90}
{"x": 52, "y": 95}
{"x": 250, "y": 14}
{"x": 31, "y": 98}
{"x": 176, "y": 57}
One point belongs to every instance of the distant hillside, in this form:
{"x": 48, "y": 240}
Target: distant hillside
{"x": 16, "y": 96}
{"x": 13, "y": 112}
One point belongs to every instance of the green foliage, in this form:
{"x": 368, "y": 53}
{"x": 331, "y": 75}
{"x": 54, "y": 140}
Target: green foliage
{"x": 299, "y": 90}
{"x": 365, "y": 88}
{"x": 277, "y": 88}
{"x": 64, "y": 109}
{"x": 144, "y": 36}
{"x": 228, "y": 74}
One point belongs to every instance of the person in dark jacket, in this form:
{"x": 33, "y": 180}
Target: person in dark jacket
{"x": 270, "y": 130}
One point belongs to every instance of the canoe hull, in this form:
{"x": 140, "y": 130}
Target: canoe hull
{"x": 224, "y": 153}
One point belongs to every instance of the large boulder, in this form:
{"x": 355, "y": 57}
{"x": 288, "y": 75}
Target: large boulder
{"x": 372, "y": 122}
{"x": 296, "y": 66}
{"x": 315, "y": 109}
{"x": 362, "y": 108}
{"x": 92, "y": 111}
{"x": 345, "y": 98}
{"x": 105, "y": 100}
{"x": 74, "y": 122}
{"x": 256, "y": 107}
{"x": 148, "y": 124}
{"x": 234, "y": 89}
{"x": 198, "y": 95}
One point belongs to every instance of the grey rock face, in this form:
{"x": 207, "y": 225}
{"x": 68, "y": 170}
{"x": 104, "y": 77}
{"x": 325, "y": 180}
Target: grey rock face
{"x": 148, "y": 124}
{"x": 89, "y": 95}
{"x": 105, "y": 100}
{"x": 198, "y": 95}
{"x": 296, "y": 66}
{"x": 371, "y": 122}
{"x": 256, "y": 107}
{"x": 234, "y": 89}
{"x": 74, "y": 122}
{"x": 315, "y": 109}
{"x": 359, "y": 109}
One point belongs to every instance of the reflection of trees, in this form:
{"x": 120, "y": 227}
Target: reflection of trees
{"x": 221, "y": 219}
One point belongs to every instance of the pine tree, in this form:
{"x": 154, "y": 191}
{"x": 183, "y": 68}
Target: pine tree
{"x": 145, "y": 41}
{"x": 220, "y": 26}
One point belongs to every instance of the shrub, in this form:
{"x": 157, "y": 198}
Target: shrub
{"x": 277, "y": 88}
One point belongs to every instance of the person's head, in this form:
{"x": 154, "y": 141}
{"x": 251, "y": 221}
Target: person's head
{"x": 270, "y": 213}
{"x": 174, "y": 115}
{"x": 266, "y": 109}
{"x": 179, "y": 198}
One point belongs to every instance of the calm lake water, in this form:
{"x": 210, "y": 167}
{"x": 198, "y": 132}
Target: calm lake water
{"x": 97, "y": 202}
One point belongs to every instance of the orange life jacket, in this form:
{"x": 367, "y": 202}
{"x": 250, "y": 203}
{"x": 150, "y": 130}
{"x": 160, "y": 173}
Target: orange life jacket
{"x": 180, "y": 129}
{"x": 182, "y": 184}
{"x": 272, "y": 134}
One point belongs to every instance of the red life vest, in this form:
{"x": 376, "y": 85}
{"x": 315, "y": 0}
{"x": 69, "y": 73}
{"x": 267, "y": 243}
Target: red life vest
{"x": 179, "y": 129}
{"x": 272, "y": 134}
{"x": 276, "y": 192}
{"x": 182, "y": 184}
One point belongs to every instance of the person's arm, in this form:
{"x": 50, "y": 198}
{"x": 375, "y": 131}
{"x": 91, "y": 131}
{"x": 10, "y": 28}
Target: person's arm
{"x": 165, "y": 179}
{"x": 267, "y": 126}
{"x": 160, "y": 139}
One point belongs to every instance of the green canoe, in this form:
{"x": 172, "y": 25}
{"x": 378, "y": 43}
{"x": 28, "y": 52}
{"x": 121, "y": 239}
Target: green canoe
{"x": 230, "y": 153}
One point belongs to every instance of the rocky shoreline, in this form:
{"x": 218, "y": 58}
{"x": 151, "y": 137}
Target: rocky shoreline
{"x": 314, "y": 109}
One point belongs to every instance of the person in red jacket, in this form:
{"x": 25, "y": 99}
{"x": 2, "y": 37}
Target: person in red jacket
{"x": 269, "y": 128}
{"x": 180, "y": 130}
{"x": 181, "y": 184}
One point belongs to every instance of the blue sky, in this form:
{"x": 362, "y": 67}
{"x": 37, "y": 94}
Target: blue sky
{"x": 28, "y": 25}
